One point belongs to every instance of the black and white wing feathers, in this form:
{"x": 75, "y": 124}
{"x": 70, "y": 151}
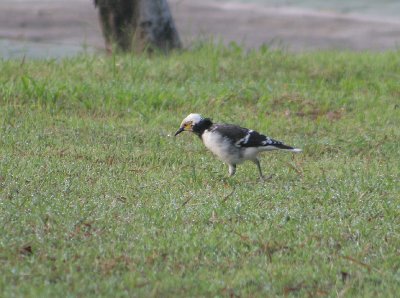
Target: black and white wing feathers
{"x": 246, "y": 138}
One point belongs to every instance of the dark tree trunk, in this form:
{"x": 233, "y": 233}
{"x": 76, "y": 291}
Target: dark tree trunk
{"x": 137, "y": 25}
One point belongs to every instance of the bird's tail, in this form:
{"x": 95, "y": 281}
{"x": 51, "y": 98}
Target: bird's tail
{"x": 286, "y": 147}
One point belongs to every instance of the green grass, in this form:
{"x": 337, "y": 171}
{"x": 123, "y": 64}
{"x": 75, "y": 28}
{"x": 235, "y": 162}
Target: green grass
{"x": 98, "y": 199}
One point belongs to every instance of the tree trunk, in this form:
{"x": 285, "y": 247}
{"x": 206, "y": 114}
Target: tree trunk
{"x": 137, "y": 25}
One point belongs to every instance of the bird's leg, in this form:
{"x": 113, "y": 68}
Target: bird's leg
{"x": 232, "y": 170}
{"x": 257, "y": 162}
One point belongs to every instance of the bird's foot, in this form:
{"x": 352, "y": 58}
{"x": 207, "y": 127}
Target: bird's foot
{"x": 265, "y": 179}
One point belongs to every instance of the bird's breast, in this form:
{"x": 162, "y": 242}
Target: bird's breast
{"x": 221, "y": 146}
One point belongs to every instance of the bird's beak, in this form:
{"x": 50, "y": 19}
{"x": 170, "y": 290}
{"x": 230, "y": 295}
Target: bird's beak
{"x": 179, "y": 131}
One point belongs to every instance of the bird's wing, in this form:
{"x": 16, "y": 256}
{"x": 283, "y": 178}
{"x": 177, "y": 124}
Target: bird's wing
{"x": 255, "y": 139}
{"x": 231, "y": 132}
{"x": 244, "y": 138}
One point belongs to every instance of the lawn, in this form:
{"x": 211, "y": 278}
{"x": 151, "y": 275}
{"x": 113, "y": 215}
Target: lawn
{"x": 98, "y": 199}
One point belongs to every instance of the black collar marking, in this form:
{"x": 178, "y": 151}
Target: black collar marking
{"x": 200, "y": 127}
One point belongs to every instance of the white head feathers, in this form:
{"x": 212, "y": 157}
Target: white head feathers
{"x": 193, "y": 118}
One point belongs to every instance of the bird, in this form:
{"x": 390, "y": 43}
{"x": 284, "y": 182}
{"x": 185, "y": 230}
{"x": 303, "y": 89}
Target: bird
{"x": 231, "y": 143}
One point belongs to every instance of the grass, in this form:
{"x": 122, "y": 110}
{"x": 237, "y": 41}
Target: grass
{"x": 98, "y": 199}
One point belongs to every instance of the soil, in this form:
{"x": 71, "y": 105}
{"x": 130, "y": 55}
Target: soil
{"x": 65, "y": 26}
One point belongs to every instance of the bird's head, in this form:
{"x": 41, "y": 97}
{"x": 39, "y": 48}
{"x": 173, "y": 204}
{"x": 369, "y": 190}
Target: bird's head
{"x": 189, "y": 122}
